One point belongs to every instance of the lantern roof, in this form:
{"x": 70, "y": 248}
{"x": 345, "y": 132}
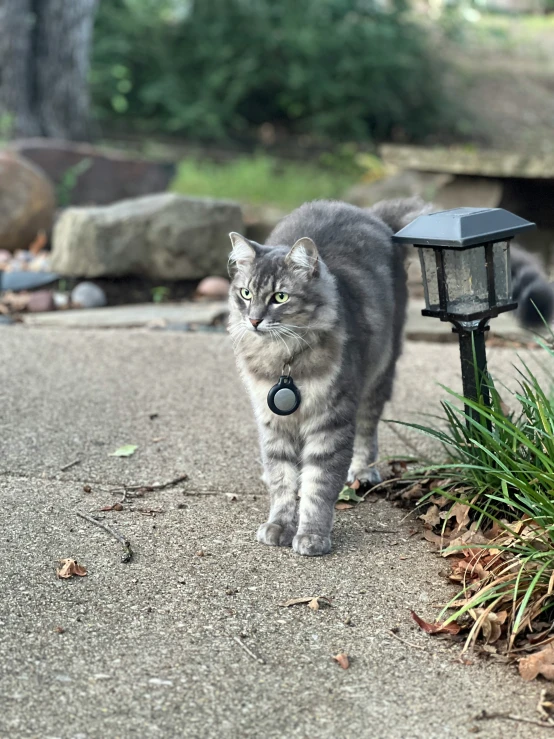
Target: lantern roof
{"x": 462, "y": 227}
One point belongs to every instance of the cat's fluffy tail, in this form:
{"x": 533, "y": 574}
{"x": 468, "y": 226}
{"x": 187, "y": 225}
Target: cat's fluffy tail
{"x": 401, "y": 211}
{"x": 531, "y": 289}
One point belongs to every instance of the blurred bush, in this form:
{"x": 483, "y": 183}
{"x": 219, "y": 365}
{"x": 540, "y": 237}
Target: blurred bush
{"x": 211, "y": 69}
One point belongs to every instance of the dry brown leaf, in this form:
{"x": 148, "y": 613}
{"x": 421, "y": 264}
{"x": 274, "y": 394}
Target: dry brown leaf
{"x": 491, "y": 624}
{"x": 342, "y": 506}
{"x": 320, "y": 600}
{"x": 440, "y": 501}
{"x": 413, "y": 492}
{"x": 540, "y": 663}
{"x": 455, "y": 546}
{"x": 314, "y": 604}
{"x": 342, "y": 660}
{"x": 436, "y": 627}
{"x": 70, "y": 567}
{"x": 39, "y": 243}
{"x": 115, "y": 507}
{"x": 435, "y": 538}
{"x": 461, "y": 511}
{"x": 431, "y": 516}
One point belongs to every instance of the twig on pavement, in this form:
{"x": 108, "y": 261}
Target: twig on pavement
{"x": 408, "y": 643}
{"x": 261, "y": 660}
{"x": 514, "y": 717}
{"x": 148, "y": 488}
{"x": 125, "y": 543}
{"x": 159, "y": 485}
{"x": 68, "y": 466}
{"x": 202, "y": 492}
{"x": 381, "y": 531}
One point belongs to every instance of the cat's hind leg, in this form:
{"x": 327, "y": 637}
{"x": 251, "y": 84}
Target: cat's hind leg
{"x": 366, "y": 447}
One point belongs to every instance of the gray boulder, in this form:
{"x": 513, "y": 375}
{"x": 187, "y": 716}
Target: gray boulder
{"x": 86, "y": 175}
{"x": 27, "y": 202}
{"x": 166, "y": 237}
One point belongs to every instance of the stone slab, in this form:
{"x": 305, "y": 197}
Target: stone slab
{"x": 469, "y": 161}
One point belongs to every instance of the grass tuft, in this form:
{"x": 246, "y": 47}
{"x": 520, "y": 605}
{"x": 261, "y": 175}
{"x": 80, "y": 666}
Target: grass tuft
{"x": 262, "y": 180}
{"x": 493, "y": 518}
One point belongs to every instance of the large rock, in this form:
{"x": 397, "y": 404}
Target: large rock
{"x": 86, "y": 175}
{"x": 166, "y": 237}
{"x": 260, "y": 220}
{"x": 27, "y": 202}
{"x": 403, "y": 184}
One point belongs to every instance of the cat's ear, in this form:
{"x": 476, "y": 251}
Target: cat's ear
{"x": 243, "y": 251}
{"x": 304, "y": 257}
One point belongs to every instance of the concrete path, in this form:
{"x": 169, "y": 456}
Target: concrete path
{"x": 179, "y": 316}
{"x": 181, "y": 645}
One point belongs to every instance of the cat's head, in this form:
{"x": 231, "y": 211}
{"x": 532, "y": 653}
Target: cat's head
{"x": 280, "y": 290}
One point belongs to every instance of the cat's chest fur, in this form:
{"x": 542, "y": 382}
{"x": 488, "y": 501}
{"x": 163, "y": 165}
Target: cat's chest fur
{"x": 314, "y": 372}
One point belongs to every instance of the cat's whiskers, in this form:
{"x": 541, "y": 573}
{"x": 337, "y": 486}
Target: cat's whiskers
{"x": 294, "y": 335}
{"x": 237, "y": 334}
{"x": 275, "y": 332}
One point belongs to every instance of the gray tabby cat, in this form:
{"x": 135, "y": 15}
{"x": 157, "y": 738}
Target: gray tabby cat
{"x": 326, "y": 296}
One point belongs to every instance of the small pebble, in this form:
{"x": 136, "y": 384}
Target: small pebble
{"x": 88, "y": 295}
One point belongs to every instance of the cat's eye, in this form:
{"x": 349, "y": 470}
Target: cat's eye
{"x": 245, "y": 293}
{"x": 281, "y": 297}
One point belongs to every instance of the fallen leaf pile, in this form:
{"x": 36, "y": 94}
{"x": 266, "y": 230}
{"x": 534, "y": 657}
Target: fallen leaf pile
{"x": 70, "y": 567}
{"x": 515, "y": 622}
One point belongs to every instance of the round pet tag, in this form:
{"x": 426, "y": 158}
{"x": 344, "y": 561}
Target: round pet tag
{"x": 284, "y": 397}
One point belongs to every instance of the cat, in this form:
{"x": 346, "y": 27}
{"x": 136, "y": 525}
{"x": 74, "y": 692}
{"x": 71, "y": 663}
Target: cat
{"x": 324, "y": 300}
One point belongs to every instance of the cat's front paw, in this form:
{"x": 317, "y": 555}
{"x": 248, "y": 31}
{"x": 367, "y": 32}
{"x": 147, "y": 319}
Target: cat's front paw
{"x": 311, "y": 545}
{"x": 275, "y": 535}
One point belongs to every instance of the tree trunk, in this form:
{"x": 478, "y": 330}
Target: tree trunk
{"x": 63, "y": 39}
{"x": 17, "y": 116}
{"x": 44, "y": 64}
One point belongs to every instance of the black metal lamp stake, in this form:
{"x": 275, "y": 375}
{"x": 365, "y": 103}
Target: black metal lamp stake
{"x": 465, "y": 263}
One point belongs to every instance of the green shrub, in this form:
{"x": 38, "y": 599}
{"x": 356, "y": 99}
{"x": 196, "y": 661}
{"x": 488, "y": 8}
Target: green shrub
{"x": 209, "y": 69}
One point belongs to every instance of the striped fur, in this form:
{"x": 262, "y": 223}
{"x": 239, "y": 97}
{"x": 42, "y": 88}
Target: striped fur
{"x": 343, "y": 325}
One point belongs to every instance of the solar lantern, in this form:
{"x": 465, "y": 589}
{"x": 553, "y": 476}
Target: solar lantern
{"x": 465, "y": 264}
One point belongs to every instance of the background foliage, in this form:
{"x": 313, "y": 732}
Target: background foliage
{"x": 211, "y": 69}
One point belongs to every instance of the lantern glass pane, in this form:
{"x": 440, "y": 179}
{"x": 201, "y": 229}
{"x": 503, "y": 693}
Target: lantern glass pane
{"x": 502, "y": 272}
{"x": 466, "y": 280}
{"x": 428, "y": 262}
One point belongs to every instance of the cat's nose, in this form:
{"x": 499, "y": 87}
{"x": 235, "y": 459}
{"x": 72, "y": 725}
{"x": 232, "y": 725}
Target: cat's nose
{"x": 256, "y": 321}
